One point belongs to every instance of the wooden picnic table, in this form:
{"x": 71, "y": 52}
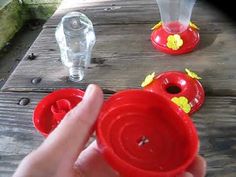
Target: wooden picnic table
{"x": 122, "y": 57}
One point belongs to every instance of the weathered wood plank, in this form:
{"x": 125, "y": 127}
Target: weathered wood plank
{"x": 128, "y": 12}
{"x": 17, "y": 134}
{"x": 216, "y": 124}
{"x": 18, "y": 137}
{"x": 123, "y": 55}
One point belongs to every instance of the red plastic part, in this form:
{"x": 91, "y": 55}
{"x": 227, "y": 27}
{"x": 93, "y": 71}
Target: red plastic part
{"x": 60, "y": 108}
{"x": 170, "y": 141}
{"x": 52, "y": 108}
{"x": 190, "y": 39}
{"x": 175, "y": 84}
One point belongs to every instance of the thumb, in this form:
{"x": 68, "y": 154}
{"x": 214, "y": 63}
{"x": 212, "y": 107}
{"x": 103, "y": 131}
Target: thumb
{"x": 196, "y": 169}
{"x": 185, "y": 174}
{"x": 71, "y": 135}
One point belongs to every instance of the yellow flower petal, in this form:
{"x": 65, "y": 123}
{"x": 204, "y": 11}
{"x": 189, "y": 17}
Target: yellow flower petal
{"x": 192, "y": 74}
{"x": 186, "y": 108}
{"x": 156, "y": 26}
{"x": 174, "y": 42}
{"x": 170, "y": 38}
{"x": 182, "y": 102}
{"x": 175, "y": 100}
{"x": 179, "y": 42}
{"x": 177, "y": 37}
{"x": 192, "y": 25}
{"x": 149, "y": 78}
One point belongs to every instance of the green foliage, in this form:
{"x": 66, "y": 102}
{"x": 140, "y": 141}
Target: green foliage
{"x": 13, "y": 14}
{"x": 11, "y": 20}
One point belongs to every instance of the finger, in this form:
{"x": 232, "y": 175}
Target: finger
{"x": 185, "y": 174}
{"x": 71, "y": 135}
{"x": 198, "y": 167}
{"x": 91, "y": 163}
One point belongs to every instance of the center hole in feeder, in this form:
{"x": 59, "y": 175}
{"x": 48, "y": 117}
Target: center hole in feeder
{"x": 173, "y": 89}
{"x": 142, "y": 141}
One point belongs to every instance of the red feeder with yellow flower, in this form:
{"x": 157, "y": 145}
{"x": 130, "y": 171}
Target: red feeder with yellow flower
{"x": 140, "y": 133}
{"x": 175, "y": 34}
{"x": 183, "y": 89}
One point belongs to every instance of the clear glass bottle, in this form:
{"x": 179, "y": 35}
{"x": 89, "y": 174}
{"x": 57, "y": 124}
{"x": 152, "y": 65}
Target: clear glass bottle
{"x": 76, "y": 38}
{"x": 175, "y": 14}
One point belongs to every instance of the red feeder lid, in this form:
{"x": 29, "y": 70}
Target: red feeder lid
{"x": 52, "y": 108}
{"x": 142, "y": 134}
{"x": 190, "y": 39}
{"x": 176, "y": 84}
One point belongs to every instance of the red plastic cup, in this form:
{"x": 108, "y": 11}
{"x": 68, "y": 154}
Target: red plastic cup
{"x": 142, "y": 134}
{"x": 176, "y": 84}
{"x": 52, "y": 109}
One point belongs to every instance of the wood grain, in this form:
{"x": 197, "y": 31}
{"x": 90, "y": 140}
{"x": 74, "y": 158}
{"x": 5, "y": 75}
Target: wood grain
{"x": 18, "y": 137}
{"x": 128, "y": 12}
{"x": 123, "y": 56}
{"x": 17, "y": 134}
{"x": 216, "y": 124}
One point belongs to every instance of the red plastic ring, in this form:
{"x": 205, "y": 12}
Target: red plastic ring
{"x": 53, "y": 107}
{"x": 176, "y": 84}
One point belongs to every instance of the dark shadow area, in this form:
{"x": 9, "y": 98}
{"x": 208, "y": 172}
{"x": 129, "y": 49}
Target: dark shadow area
{"x": 227, "y": 7}
{"x": 173, "y": 89}
{"x": 15, "y": 49}
{"x": 206, "y": 40}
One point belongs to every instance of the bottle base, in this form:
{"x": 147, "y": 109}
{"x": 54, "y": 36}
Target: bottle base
{"x": 76, "y": 74}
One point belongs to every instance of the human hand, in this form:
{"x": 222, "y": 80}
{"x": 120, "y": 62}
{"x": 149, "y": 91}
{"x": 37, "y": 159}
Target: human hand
{"x": 62, "y": 154}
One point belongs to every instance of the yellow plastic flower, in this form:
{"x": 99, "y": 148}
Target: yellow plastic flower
{"x": 192, "y": 74}
{"x": 182, "y": 102}
{"x": 192, "y": 25}
{"x": 148, "y": 80}
{"x": 158, "y": 25}
{"x": 174, "y": 42}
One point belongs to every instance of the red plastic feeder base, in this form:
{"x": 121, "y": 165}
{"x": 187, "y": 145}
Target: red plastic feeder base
{"x": 176, "y": 84}
{"x": 52, "y": 109}
{"x": 190, "y": 39}
{"x": 142, "y": 134}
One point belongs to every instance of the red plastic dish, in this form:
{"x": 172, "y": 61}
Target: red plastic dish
{"x": 52, "y": 108}
{"x": 142, "y": 134}
{"x": 190, "y": 38}
{"x": 175, "y": 84}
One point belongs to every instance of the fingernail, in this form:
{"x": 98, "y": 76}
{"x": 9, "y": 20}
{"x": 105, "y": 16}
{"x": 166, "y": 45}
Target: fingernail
{"x": 89, "y": 91}
{"x": 77, "y": 168}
